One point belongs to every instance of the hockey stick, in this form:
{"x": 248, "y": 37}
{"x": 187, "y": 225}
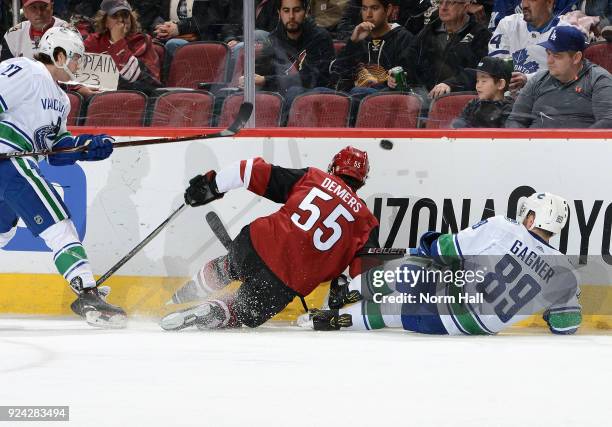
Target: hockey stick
{"x": 219, "y": 230}
{"x": 244, "y": 113}
{"x": 139, "y": 246}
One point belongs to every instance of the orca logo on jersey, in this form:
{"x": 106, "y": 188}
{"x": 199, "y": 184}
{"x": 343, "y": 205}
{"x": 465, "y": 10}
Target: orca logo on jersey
{"x": 45, "y": 135}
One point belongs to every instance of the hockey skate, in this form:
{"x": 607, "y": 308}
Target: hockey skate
{"x": 340, "y": 295}
{"x": 209, "y": 315}
{"x": 92, "y": 306}
{"x": 325, "y": 320}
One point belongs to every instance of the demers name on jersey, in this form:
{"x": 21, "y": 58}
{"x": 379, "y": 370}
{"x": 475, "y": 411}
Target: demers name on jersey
{"x": 53, "y": 104}
{"x": 532, "y": 260}
{"x": 344, "y": 194}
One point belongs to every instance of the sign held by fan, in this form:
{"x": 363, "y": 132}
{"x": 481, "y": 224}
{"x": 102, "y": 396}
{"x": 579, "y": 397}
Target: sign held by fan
{"x": 98, "y": 71}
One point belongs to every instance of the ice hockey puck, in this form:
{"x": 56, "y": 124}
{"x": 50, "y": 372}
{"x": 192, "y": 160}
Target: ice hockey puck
{"x": 385, "y": 144}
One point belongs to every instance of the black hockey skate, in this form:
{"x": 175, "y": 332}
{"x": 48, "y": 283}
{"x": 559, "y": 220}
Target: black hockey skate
{"x": 340, "y": 295}
{"x": 208, "y": 315}
{"x": 326, "y": 320}
{"x": 90, "y": 305}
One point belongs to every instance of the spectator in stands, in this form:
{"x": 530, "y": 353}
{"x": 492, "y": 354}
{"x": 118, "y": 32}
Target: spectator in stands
{"x": 23, "y": 39}
{"x": 602, "y": 9}
{"x": 327, "y": 13}
{"x": 492, "y": 108}
{"x": 503, "y": 8}
{"x": 118, "y": 34}
{"x": 297, "y": 56}
{"x": 441, "y": 52}
{"x": 411, "y": 14}
{"x": 572, "y": 93}
{"x": 188, "y": 20}
{"x": 375, "y": 46}
{"x": 518, "y": 36}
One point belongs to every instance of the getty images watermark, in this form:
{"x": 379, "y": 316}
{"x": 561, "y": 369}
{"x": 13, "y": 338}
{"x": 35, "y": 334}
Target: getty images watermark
{"x": 407, "y": 276}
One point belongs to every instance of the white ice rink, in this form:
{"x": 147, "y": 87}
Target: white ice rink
{"x": 285, "y": 376}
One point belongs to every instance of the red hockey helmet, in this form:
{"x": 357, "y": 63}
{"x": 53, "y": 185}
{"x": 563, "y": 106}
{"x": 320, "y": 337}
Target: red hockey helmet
{"x": 351, "y": 162}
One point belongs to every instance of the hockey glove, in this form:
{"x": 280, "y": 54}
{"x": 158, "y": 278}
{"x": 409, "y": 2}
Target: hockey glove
{"x": 425, "y": 243}
{"x": 202, "y": 190}
{"x": 98, "y": 148}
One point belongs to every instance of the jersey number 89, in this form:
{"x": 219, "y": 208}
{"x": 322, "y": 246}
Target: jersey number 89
{"x": 330, "y": 222}
{"x": 495, "y": 284}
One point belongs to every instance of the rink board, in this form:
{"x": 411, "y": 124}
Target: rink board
{"x": 421, "y": 184}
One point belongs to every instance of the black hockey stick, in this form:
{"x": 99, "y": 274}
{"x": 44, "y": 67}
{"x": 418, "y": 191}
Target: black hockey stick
{"x": 139, "y": 246}
{"x": 244, "y": 113}
{"x": 219, "y": 230}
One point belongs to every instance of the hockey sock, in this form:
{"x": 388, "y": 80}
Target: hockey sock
{"x": 368, "y": 286}
{"x": 223, "y": 317}
{"x": 69, "y": 256}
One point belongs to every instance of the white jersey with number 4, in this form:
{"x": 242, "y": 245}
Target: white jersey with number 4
{"x": 33, "y": 108}
{"x": 514, "y": 38}
{"x": 520, "y": 275}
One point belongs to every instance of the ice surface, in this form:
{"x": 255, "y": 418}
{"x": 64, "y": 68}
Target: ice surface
{"x": 286, "y": 376}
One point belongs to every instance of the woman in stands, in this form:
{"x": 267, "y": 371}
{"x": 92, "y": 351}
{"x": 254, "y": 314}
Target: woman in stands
{"x": 118, "y": 34}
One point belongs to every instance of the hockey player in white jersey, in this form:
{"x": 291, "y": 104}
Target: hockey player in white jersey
{"x": 517, "y": 37}
{"x": 508, "y": 273}
{"x": 33, "y": 113}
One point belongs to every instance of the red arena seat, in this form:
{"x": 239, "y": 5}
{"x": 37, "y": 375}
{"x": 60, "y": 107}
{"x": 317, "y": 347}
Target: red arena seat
{"x": 389, "y": 110}
{"x": 183, "y": 109}
{"x": 320, "y": 110}
{"x": 199, "y": 62}
{"x": 600, "y": 54}
{"x": 117, "y": 108}
{"x": 76, "y": 105}
{"x": 447, "y": 108}
{"x": 268, "y": 107}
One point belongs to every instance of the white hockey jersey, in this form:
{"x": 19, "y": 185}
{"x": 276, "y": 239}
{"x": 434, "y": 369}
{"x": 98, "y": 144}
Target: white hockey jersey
{"x": 17, "y": 39}
{"x": 520, "y": 275}
{"x": 33, "y": 108}
{"x": 514, "y": 38}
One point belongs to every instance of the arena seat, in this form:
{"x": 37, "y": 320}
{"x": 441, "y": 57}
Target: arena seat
{"x": 268, "y": 108}
{"x": 117, "y": 108}
{"x": 600, "y": 54}
{"x": 183, "y": 109}
{"x": 76, "y": 107}
{"x": 389, "y": 110}
{"x": 199, "y": 62}
{"x": 446, "y": 108}
{"x": 320, "y": 110}
{"x": 238, "y": 69}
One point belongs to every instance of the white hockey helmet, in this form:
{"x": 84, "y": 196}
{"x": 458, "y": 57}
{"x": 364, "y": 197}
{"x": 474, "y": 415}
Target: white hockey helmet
{"x": 70, "y": 41}
{"x": 551, "y": 211}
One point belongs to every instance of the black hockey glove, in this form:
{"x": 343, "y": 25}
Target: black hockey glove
{"x": 202, "y": 190}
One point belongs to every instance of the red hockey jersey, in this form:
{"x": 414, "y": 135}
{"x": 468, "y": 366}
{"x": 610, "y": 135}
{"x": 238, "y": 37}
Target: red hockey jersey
{"x": 315, "y": 234}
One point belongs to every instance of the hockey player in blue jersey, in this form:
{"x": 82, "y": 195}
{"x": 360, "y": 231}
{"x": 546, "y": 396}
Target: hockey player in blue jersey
{"x": 508, "y": 273}
{"x": 33, "y": 113}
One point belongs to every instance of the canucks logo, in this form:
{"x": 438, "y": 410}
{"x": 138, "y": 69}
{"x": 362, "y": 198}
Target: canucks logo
{"x": 521, "y": 64}
{"x": 45, "y": 135}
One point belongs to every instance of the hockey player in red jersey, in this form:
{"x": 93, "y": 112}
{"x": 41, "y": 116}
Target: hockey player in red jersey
{"x": 311, "y": 239}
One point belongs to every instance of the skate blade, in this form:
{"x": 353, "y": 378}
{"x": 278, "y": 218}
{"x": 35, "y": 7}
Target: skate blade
{"x": 183, "y": 319}
{"x": 100, "y": 320}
